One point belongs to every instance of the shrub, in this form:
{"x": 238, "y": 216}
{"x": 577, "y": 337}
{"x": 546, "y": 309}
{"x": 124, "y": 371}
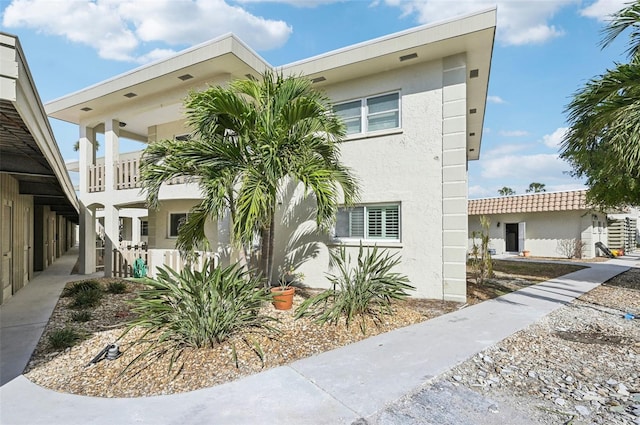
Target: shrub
{"x": 365, "y": 290}
{"x": 481, "y": 262}
{"x": 117, "y": 287}
{"x": 571, "y": 248}
{"x": 63, "y": 338}
{"x": 87, "y": 298}
{"x": 199, "y": 308}
{"x": 81, "y": 286}
{"x": 81, "y": 316}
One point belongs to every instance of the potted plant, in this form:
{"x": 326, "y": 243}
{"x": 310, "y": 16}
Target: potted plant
{"x": 283, "y": 293}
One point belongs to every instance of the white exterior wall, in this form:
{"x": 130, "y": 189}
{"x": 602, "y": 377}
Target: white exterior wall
{"x": 403, "y": 166}
{"x": 545, "y": 230}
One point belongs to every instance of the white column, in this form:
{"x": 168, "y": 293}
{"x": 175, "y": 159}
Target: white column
{"x": 111, "y": 154}
{"x": 135, "y": 230}
{"x": 111, "y": 237}
{"x": 87, "y": 240}
{"x": 454, "y": 178}
{"x": 87, "y": 155}
{"x": 111, "y": 213}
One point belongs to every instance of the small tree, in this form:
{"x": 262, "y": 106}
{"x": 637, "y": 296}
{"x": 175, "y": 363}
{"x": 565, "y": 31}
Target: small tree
{"x": 481, "y": 262}
{"x": 536, "y": 188}
{"x": 506, "y": 191}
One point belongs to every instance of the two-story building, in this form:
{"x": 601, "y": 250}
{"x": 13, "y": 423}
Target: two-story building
{"x": 414, "y": 105}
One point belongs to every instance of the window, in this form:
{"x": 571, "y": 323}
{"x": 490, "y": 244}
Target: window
{"x": 370, "y": 114}
{"x": 175, "y": 221}
{"x": 144, "y": 228}
{"x": 369, "y": 222}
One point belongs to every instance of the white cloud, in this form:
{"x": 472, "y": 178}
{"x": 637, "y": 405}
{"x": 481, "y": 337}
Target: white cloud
{"x": 513, "y": 133}
{"x": 121, "y": 29}
{"x": 495, "y": 99}
{"x": 564, "y": 187}
{"x": 297, "y": 3}
{"x": 527, "y": 167}
{"x": 554, "y": 139}
{"x": 506, "y": 149}
{"x": 519, "y": 22}
{"x": 602, "y": 9}
{"x": 477, "y": 191}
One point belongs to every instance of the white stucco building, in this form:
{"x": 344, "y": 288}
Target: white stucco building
{"x": 541, "y": 223}
{"x": 414, "y": 103}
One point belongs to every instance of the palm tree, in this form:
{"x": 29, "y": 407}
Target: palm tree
{"x": 603, "y": 140}
{"x": 536, "y": 188}
{"x": 248, "y": 139}
{"x": 506, "y": 191}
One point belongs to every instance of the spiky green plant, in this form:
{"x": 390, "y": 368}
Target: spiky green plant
{"x": 367, "y": 289}
{"x": 117, "y": 287}
{"x": 81, "y": 316}
{"x": 198, "y": 308}
{"x": 83, "y": 285}
{"x": 63, "y": 338}
{"x": 87, "y": 298}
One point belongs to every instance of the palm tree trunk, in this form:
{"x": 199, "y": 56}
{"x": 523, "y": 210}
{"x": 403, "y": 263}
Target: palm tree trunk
{"x": 272, "y": 232}
{"x": 264, "y": 254}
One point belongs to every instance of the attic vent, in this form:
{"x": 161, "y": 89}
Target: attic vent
{"x": 185, "y": 77}
{"x": 409, "y": 56}
{"x": 318, "y": 80}
{"x": 473, "y": 73}
{"x": 472, "y": 134}
{"x": 86, "y": 109}
{"x": 471, "y": 150}
{"x": 182, "y": 138}
{"x": 251, "y": 77}
{"x": 130, "y": 95}
{"x": 473, "y": 111}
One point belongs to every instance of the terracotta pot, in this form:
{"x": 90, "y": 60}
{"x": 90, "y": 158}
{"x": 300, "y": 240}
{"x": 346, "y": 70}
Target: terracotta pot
{"x": 525, "y": 253}
{"x": 283, "y": 298}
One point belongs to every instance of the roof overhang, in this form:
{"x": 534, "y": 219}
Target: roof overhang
{"x": 28, "y": 149}
{"x": 154, "y": 93}
{"x": 472, "y": 35}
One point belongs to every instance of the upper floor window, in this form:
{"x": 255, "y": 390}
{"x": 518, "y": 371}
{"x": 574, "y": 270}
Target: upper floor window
{"x": 369, "y": 222}
{"x": 371, "y": 113}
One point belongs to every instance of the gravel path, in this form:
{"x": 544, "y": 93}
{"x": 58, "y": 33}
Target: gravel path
{"x": 579, "y": 365}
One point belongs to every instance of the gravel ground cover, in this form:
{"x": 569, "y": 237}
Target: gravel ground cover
{"x": 578, "y": 365}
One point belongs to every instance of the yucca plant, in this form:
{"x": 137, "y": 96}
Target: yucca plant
{"x": 367, "y": 289}
{"x": 198, "y": 308}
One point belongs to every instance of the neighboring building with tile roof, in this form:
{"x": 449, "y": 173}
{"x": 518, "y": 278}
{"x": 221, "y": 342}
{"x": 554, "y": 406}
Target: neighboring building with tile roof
{"x": 531, "y": 202}
{"x": 544, "y": 224}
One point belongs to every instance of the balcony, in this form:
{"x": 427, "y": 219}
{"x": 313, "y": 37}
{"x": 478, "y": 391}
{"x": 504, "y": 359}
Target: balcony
{"x": 127, "y": 176}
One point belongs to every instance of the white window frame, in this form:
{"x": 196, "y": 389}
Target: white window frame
{"x": 366, "y": 236}
{"x": 364, "y": 113}
{"x": 169, "y": 235}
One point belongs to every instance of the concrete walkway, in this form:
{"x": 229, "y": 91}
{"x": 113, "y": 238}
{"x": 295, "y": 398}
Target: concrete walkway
{"x": 336, "y": 387}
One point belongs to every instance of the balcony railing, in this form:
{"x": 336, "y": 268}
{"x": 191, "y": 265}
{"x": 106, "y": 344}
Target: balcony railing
{"x": 96, "y": 178}
{"x": 127, "y": 176}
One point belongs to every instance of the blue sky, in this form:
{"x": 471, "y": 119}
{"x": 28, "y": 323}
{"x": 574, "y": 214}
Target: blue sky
{"x": 544, "y": 51}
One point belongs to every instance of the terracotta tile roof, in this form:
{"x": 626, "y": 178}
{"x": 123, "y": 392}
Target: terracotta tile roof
{"x": 533, "y": 202}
